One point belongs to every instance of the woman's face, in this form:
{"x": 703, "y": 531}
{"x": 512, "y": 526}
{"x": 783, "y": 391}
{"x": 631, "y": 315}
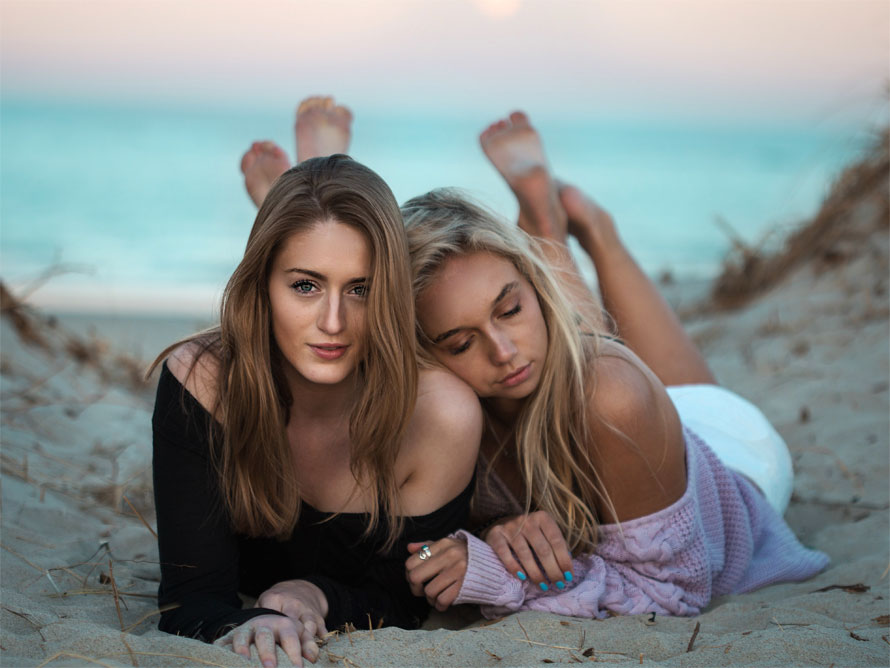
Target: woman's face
{"x": 317, "y": 291}
{"x": 486, "y": 325}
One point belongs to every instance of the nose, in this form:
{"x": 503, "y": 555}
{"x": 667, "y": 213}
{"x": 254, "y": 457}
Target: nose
{"x": 503, "y": 350}
{"x": 331, "y": 319}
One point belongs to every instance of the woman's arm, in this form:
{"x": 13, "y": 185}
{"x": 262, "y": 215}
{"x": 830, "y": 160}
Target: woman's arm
{"x": 198, "y": 552}
{"x": 636, "y": 445}
{"x": 645, "y": 321}
{"x": 673, "y": 581}
{"x": 443, "y": 457}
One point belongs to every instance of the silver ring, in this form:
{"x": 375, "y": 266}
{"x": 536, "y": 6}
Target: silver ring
{"x": 425, "y": 553}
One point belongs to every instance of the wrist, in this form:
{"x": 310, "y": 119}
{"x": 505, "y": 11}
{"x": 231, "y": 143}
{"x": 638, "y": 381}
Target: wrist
{"x": 598, "y": 235}
{"x": 482, "y": 532}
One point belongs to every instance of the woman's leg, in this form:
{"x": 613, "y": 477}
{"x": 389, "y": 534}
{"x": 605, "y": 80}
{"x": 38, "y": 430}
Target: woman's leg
{"x": 644, "y": 319}
{"x": 322, "y": 128}
{"x": 741, "y": 437}
{"x": 514, "y": 148}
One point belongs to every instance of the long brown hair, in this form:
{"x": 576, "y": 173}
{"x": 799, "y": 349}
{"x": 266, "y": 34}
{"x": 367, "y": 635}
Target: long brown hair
{"x": 253, "y": 399}
{"x": 551, "y": 431}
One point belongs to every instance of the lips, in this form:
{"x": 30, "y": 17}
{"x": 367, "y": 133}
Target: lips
{"x": 516, "y": 377}
{"x": 329, "y": 351}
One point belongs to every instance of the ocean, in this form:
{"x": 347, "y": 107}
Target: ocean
{"x": 120, "y": 208}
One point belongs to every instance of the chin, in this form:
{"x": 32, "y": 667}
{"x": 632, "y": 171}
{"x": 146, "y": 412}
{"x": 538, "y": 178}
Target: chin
{"x": 324, "y": 374}
{"x": 327, "y": 376}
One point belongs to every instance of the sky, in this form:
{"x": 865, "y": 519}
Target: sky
{"x": 751, "y": 58}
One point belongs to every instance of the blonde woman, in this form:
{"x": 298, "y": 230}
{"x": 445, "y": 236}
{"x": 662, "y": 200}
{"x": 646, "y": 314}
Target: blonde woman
{"x": 590, "y": 444}
{"x": 297, "y": 448}
{"x": 598, "y": 488}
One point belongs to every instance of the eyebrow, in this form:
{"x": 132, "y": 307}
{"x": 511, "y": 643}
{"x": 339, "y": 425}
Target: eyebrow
{"x": 503, "y": 293}
{"x": 322, "y": 277}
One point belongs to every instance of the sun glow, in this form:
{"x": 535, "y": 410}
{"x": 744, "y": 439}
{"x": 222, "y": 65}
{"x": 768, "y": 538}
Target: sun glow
{"x": 498, "y": 9}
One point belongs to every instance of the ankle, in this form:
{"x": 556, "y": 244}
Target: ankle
{"x": 596, "y": 234}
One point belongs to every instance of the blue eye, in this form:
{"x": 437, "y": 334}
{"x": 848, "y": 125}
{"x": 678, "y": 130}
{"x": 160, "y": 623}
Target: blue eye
{"x": 303, "y": 287}
{"x": 360, "y": 290}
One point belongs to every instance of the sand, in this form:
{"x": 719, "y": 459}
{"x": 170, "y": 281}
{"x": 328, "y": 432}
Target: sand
{"x": 79, "y": 558}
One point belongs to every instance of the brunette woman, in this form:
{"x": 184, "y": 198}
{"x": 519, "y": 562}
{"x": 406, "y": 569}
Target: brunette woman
{"x": 297, "y": 448}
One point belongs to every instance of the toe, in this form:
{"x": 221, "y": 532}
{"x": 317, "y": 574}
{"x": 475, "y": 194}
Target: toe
{"x": 308, "y": 103}
{"x": 343, "y": 114}
{"x": 519, "y": 118}
{"x": 248, "y": 159}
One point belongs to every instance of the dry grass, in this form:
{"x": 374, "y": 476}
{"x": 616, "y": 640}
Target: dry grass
{"x": 857, "y": 207}
{"x": 37, "y": 330}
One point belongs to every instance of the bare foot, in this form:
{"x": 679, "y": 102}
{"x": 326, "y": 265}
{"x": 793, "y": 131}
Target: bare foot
{"x": 514, "y": 148}
{"x": 588, "y": 221}
{"x": 323, "y": 128}
{"x": 262, "y": 164}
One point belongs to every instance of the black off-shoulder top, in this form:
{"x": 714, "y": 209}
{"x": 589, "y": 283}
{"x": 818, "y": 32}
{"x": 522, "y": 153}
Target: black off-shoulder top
{"x": 205, "y": 564}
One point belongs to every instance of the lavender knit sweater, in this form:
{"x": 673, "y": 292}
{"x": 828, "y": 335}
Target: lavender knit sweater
{"x": 720, "y": 537}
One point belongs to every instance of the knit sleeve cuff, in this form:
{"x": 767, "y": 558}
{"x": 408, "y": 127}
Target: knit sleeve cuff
{"x": 487, "y": 582}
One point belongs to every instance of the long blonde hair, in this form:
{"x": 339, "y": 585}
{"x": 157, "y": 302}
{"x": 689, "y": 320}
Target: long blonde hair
{"x": 255, "y": 463}
{"x": 551, "y": 431}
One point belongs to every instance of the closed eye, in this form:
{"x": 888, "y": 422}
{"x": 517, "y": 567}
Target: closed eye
{"x": 462, "y": 347}
{"x": 513, "y": 311}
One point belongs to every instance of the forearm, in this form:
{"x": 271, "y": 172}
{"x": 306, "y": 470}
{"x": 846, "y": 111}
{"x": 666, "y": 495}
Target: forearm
{"x": 487, "y": 582}
{"x": 391, "y": 605}
{"x": 599, "y": 587}
{"x": 206, "y": 619}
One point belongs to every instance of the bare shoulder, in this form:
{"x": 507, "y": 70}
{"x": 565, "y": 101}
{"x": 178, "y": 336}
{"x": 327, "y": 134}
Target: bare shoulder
{"x": 637, "y": 445}
{"x": 444, "y": 400}
{"x": 197, "y": 368}
{"x": 440, "y": 449}
{"x": 625, "y": 390}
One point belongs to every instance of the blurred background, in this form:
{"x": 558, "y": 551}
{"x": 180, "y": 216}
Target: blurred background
{"x": 122, "y": 122}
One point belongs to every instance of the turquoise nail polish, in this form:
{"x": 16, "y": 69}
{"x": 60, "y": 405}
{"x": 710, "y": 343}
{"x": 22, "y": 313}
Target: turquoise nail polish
{"x": 569, "y": 576}
{"x": 544, "y": 586}
{"x": 560, "y": 585}
{"x": 521, "y": 575}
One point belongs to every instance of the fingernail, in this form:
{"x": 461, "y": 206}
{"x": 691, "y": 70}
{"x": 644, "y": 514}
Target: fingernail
{"x": 560, "y": 585}
{"x": 569, "y": 576}
{"x": 268, "y": 664}
{"x": 544, "y": 586}
{"x": 521, "y": 575}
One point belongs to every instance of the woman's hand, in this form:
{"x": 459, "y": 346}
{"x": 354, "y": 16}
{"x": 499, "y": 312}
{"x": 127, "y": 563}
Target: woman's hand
{"x": 523, "y": 542}
{"x": 440, "y": 576}
{"x": 304, "y": 606}
{"x": 300, "y": 600}
{"x": 267, "y": 631}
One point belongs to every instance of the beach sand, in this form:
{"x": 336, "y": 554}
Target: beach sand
{"x": 79, "y": 558}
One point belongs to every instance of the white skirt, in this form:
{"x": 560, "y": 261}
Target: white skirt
{"x": 740, "y": 435}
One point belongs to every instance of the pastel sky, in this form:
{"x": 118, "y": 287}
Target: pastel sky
{"x": 560, "y": 56}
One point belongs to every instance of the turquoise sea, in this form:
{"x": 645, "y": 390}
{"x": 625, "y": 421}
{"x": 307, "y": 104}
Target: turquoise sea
{"x": 146, "y": 207}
